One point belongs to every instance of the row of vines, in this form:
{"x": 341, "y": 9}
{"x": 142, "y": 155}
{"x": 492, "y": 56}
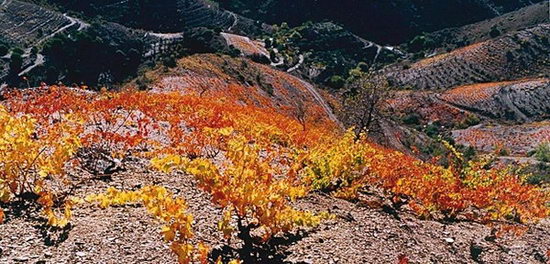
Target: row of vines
{"x": 253, "y": 161}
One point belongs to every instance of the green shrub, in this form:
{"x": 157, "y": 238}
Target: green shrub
{"x": 494, "y": 32}
{"x": 336, "y": 82}
{"x": 363, "y": 66}
{"x": 417, "y": 43}
{"x": 420, "y": 43}
{"x": 503, "y": 152}
{"x": 542, "y": 152}
{"x": 469, "y": 153}
{"x": 18, "y": 51}
{"x": 3, "y": 50}
{"x": 411, "y": 119}
{"x": 432, "y": 130}
{"x": 16, "y": 62}
{"x": 470, "y": 120}
{"x": 540, "y": 175}
{"x": 170, "y": 62}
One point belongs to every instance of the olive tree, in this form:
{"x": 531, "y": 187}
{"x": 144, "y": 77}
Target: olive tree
{"x": 363, "y": 103}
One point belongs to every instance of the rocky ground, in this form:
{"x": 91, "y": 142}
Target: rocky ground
{"x": 358, "y": 234}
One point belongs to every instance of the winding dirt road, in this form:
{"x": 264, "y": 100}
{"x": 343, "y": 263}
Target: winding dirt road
{"x": 301, "y": 59}
{"x": 40, "y": 59}
{"x": 235, "y": 21}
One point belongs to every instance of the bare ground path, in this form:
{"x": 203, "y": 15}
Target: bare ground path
{"x": 311, "y": 89}
{"x": 235, "y": 21}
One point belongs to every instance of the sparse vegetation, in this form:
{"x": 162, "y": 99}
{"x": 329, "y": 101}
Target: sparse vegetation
{"x": 420, "y": 43}
{"x": 3, "y": 50}
{"x": 494, "y": 32}
{"x": 178, "y": 131}
{"x": 542, "y": 152}
{"x": 88, "y": 55}
{"x": 363, "y": 104}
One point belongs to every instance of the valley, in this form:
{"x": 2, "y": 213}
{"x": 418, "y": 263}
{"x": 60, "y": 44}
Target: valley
{"x": 274, "y": 131}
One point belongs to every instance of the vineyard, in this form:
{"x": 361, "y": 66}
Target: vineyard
{"x": 247, "y": 46}
{"x": 526, "y": 17}
{"x": 516, "y": 140}
{"x": 25, "y": 24}
{"x": 427, "y": 106}
{"x": 198, "y": 13}
{"x": 513, "y": 100}
{"x": 240, "y": 131}
{"x": 204, "y": 13}
{"x": 254, "y": 170}
{"x": 252, "y": 84}
{"x": 518, "y": 54}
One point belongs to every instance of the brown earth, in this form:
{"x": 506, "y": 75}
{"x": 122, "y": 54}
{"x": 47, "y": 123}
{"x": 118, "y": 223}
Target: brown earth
{"x": 358, "y": 234}
{"x": 520, "y": 54}
{"x": 529, "y": 16}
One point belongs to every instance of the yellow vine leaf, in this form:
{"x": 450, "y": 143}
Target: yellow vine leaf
{"x": 170, "y": 211}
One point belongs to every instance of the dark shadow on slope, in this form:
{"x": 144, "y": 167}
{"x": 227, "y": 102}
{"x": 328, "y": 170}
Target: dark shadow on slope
{"x": 273, "y": 251}
{"x": 26, "y": 208}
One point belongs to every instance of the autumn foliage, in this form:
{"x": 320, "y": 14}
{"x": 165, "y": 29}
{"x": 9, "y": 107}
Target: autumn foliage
{"x": 170, "y": 211}
{"x": 250, "y": 188}
{"x": 29, "y": 153}
{"x": 498, "y": 193}
{"x": 253, "y": 161}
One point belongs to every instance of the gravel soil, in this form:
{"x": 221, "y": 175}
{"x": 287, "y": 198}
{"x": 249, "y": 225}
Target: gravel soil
{"x": 358, "y": 234}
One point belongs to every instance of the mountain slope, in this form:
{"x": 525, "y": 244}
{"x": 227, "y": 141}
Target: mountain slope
{"x": 358, "y": 234}
{"x": 163, "y": 16}
{"x": 25, "y": 24}
{"x": 515, "y": 55}
{"x": 243, "y": 82}
{"x": 521, "y": 101}
{"x": 529, "y": 16}
{"x": 514, "y": 140}
{"x": 390, "y": 22}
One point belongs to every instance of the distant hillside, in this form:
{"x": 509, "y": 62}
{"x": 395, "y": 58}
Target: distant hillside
{"x": 160, "y": 15}
{"x": 451, "y": 38}
{"x": 512, "y": 139}
{"x": 389, "y": 22}
{"x": 24, "y": 24}
{"x": 521, "y": 101}
{"x": 243, "y": 82}
{"x": 325, "y": 52}
{"x": 514, "y": 55}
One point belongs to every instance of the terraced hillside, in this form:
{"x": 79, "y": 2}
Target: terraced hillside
{"x": 515, "y": 55}
{"x": 484, "y": 30}
{"x": 390, "y": 22}
{"x": 515, "y": 140}
{"x": 243, "y": 82}
{"x": 423, "y": 107}
{"x": 161, "y": 16}
{"x": 244, "y": 44}
{"x": 201, "y": 13}
{"x": 25, "y": 24}
{"x": 522, "y": 100}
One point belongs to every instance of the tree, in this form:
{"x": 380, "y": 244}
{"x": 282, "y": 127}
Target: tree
{"x": 170, "y": 62}
{"x": 363, "y": 101}
{"x": 495, "y": 32}
{"x": 3, "y": 50}
{"x": 300, "y": 113}
{"x": 16, "y": 62}
{"x": 336, "y": 82}
{"x": 542, "y": 153}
